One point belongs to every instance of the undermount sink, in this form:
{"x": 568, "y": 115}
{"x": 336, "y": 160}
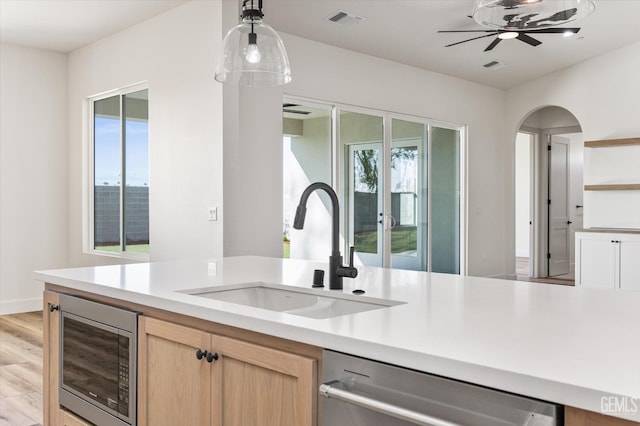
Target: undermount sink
{"x": 297, "y": 301}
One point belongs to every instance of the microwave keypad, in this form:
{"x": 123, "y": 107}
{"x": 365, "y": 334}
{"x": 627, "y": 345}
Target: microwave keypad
{"x": 123, "y": 383}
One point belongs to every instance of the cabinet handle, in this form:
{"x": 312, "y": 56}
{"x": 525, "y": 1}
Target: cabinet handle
{"x": 54, "y": 308}
{"x": 333, "y": 390}
{"x": 209, "y": 356}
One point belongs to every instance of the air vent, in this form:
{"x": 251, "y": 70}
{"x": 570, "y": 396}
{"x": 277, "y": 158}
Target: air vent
{"x": 344, "y": 18}
{"x": 494, "y": 65}
{"x": 293, "y": 111}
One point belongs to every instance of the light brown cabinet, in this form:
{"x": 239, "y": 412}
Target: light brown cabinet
{"x": 70, "y": 419}
{"x": 239, "y": 383}
{"x": 577, "y": 417}
{"x": 50, "y": 357}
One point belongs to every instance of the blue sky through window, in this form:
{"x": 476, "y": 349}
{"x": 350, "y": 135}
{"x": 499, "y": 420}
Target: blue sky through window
{"x": 107, "y": 152}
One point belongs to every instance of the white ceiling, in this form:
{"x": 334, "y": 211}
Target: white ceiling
{"x": 65, "y": 25}
{"x": 403, "y": 31}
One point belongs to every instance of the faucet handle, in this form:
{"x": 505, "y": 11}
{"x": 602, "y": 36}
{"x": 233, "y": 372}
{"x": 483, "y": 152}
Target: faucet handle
{"x": 348, "y": 271}
{"x": 351, "y": 251}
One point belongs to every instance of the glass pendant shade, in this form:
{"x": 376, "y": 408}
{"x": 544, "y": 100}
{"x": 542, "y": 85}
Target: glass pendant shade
{"x": 253, "y": 55}
{"x": 529, "y": 14}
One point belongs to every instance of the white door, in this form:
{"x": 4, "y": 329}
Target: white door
{"x": 559, "y": 222}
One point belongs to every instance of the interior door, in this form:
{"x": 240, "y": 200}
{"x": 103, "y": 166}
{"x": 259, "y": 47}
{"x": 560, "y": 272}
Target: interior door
{"x": 559, "y": 222}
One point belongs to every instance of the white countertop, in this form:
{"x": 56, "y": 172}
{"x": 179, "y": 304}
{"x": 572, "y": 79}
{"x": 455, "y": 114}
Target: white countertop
{"x": 609, "y": 230}
{"x": 562, "y": 344}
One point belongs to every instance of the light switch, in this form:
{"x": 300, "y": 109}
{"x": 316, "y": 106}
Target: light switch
{"x": 213, "y": 213}
{"x": 212, "y": 269}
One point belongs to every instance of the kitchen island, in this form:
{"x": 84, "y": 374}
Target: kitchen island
{"x": 576, "y": 347}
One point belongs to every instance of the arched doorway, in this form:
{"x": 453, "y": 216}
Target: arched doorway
{"x": 548, "y": 194}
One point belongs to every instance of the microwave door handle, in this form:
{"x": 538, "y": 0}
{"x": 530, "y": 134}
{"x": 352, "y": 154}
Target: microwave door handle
{"x": 330, "y": 390}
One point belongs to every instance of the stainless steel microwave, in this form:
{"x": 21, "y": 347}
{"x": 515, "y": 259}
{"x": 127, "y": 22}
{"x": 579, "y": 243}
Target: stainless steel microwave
{"x": 98, "y": 361}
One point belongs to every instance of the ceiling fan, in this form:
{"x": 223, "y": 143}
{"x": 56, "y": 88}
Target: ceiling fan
{"x": 519, "y": 25}
{"x": 522, "y": 35}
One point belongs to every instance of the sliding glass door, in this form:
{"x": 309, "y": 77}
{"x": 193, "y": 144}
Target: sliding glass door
{"x": 361, "y": 135}
{"x": 445, "y": 184}
{"x": 365, "y": 202}
{"x": 399, "y": 180}
{"x": 408, "y": 195}
{"x": 400, "y": 176}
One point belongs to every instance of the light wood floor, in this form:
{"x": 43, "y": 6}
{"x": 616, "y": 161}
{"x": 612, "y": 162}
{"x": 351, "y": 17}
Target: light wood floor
{"x": 522, "y": 273}
{"x": 21, "y": 369}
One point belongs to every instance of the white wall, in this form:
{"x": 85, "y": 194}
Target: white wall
{"x": 253, "y": 173}
{"x": 328, "y": 73}
{"x": 175, "y": 52}
{"x": 604, "y": 95}
{"x": 33, "y": 172}
{"x": 551, "y": 117}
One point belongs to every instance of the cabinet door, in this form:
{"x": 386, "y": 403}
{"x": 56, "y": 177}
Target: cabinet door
{"x": 262, "y": 386}
{"x": 597, "y": 262}
{"x": 50, "y": 357}
{"x": 630, "y": 263}
{"x": 577, "y": 417}
{"x": 174, "y": 387}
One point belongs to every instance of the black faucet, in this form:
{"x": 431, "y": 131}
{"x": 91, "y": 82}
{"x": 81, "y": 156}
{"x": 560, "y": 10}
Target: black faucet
{"x": 336, "y": 270}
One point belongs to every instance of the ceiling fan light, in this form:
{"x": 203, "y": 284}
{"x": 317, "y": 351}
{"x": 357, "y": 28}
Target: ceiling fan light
{"x": 508, "y": 35}
{"x": 253, "y": 54}
{"x": 568, "y": 33}
{"x": 529, "y": 14}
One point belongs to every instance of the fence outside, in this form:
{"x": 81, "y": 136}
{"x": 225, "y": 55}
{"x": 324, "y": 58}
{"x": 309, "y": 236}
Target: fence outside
{"x": 107, "y": 215}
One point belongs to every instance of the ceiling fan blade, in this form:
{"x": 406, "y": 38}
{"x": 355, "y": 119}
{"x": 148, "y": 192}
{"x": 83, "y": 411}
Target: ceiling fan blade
{"x": 552, "y": 31}
{"x": 529, "y": 40}
{"x": 470, "y": 39}
{"x": 493, "y": 44}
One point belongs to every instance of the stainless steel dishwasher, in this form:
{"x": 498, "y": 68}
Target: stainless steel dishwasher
{"x": 358, "y": 392}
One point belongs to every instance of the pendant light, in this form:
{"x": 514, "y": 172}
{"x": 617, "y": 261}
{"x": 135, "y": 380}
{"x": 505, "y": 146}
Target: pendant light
{"x": 252, "y": 53}
{"x": 529, "y": 14}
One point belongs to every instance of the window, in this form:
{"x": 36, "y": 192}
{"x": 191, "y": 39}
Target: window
{"x": 119, "y": 164}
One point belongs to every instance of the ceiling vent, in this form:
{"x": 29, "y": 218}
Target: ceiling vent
{"x": 288, "y": 108}
{"x": 494, "y": 65}
{"x": 344, "y": 18}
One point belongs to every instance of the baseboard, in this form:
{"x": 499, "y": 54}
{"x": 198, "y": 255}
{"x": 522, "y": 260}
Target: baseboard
{"x": 8, "y": 307}
{"x": 504, "y": 277}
